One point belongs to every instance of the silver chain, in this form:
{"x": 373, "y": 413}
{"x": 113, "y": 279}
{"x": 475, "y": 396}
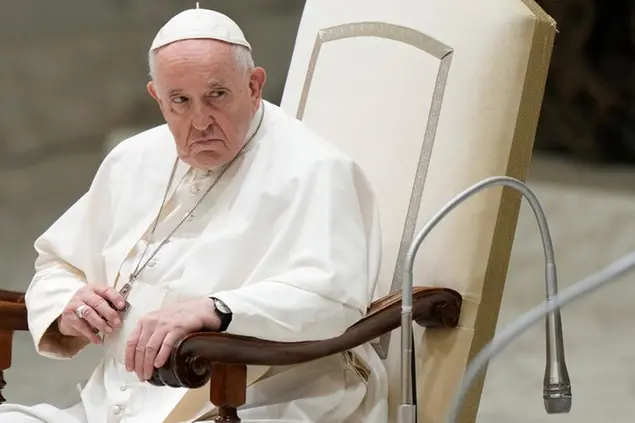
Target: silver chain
{"x": 139, "y": 268}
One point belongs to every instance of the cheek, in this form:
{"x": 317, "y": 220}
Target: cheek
{"x": 226, "y": 122}
{"x": 239, "y": 123}
{"x": 180, "y": 129}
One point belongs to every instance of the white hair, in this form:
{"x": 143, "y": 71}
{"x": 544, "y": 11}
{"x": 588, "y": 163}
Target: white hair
{"x": 243, "y": 56}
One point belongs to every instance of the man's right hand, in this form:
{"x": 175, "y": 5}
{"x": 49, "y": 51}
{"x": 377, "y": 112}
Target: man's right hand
{"x": 100, "y": 316}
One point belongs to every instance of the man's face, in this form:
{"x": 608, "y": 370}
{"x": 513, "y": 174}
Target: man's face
{"x": 207, "y": 99}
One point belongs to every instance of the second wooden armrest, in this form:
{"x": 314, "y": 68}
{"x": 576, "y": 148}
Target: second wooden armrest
{"x": 13, "y": 314}
{"x": 13, "y": 317}
{"x": 192, "y": 358}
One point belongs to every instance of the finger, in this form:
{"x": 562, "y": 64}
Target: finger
{"x": 94, "y": 319}
{"x": 131, "y": 347}
{"x": 166, "y": 349}
{"x": 140, "y": 350}
{"x": 84, "y": 328}
{"x": 112, "y": 296}
{"x": 105, "y": 313}
{"x": 152, "y": 349}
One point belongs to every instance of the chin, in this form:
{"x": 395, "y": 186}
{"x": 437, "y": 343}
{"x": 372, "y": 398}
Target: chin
{"x": 208, "y": 159}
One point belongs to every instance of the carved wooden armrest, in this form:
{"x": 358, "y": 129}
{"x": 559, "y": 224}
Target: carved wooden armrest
{"x": 223, "y": 357}
{"x": 12, "y": 318}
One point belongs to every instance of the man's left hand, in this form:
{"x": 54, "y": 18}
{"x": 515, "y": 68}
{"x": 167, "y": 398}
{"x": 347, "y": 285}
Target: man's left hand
{"x": 150, "y": 344}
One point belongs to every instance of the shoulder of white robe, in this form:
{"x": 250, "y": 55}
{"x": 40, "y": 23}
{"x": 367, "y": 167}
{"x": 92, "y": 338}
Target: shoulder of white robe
{"x": 157, "y": 139}
{"x": 155, "y": 144}
{"x": 308, "y": 150}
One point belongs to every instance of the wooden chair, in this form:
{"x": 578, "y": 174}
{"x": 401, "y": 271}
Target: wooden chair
{"x": 430, "y": 98}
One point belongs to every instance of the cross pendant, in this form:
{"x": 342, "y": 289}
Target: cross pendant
{"x": 125, "y": 292}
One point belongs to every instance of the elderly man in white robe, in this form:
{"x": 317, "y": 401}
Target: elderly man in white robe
{"x": 232, "y": 217}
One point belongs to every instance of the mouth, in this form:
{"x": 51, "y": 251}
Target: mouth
{"x": 207, "y": 142}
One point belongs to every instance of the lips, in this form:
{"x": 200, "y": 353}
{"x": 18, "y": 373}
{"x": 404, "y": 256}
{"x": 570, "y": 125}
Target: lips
{"x": 207, "y": 141}
{"x": 208, "y": 144}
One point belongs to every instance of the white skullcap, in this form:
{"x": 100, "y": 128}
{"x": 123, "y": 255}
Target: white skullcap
{"x": 199, "y": 23}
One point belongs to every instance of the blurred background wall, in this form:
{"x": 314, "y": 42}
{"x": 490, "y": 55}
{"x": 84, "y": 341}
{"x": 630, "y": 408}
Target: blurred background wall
{"x": 72, "y": 79}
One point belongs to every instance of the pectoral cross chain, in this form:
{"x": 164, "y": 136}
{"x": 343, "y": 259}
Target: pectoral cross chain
{"x": 125, "y": 290}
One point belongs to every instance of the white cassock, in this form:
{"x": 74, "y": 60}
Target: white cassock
{"x": 289, "y": 239}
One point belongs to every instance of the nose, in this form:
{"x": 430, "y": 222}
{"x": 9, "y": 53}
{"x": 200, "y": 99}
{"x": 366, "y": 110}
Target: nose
{"x": 201, "y": 117}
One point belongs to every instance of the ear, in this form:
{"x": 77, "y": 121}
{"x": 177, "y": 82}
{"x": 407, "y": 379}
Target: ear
{"x": 257, "y": 80}
{"x": 153, "y": 92}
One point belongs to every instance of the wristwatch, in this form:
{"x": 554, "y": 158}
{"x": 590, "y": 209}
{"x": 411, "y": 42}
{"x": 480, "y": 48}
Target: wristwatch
{"x": 224, "y": 314}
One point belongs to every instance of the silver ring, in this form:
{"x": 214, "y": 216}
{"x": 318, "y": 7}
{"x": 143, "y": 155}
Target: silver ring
{"x": 81, "y": 310}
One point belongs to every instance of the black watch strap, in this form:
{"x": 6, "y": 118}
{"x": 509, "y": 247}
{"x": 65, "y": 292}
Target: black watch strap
{"x": 224, "y": 314}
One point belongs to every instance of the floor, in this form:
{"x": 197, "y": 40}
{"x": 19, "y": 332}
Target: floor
{"x": 592, "y": 223}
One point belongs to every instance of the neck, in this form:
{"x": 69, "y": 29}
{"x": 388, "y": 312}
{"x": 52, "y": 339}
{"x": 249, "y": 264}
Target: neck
{"x": 255, "y": 121}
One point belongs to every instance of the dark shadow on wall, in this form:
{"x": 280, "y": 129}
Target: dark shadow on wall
{"x": 589, "y": 107}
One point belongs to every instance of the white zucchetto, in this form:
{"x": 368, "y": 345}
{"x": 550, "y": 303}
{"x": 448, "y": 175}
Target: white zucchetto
{"x": 199, "y": 23}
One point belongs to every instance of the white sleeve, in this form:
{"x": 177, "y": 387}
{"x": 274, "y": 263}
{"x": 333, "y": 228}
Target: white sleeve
{"x": 55, "y": 282}
{"x": 65, "y": 251}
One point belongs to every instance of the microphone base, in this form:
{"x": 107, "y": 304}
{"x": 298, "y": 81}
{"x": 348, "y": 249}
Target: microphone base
{"x": 407, "y": 413}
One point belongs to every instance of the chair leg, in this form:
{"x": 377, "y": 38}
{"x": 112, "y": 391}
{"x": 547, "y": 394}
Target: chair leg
{"x": 228, "y": 390}
{"x": 227, "y": 415}
{"x": 2, "y": 385}
{"x": 6, "y": 344}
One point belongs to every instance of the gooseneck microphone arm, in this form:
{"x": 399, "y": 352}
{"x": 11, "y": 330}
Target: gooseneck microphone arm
{"x": 557, "y": 387}
{"x": 526, "y": 321}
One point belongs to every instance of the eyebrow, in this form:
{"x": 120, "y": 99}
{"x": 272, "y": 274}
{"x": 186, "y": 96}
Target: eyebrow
{"x": 211, "y": 85}
{"x": 217, "y": 84}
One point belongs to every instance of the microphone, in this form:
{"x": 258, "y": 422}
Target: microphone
{"x": 557, "y": 386}
{"x": 526, "y": 321}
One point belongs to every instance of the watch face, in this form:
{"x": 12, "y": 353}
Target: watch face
{"x": 221, "y": 307}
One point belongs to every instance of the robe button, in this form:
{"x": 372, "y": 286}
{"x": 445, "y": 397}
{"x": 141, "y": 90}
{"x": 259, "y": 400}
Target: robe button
{"x": 116, "y": 410}
{"x": 123, "y": 388}
{"x": 194, "y": 189}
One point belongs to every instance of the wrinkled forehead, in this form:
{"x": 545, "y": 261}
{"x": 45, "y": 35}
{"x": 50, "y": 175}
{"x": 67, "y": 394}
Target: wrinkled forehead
{"x": 196, "y": 51}
{"x": 195, "y": 59}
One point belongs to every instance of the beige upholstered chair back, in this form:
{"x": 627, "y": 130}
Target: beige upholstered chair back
{"x": 430, "y": 97}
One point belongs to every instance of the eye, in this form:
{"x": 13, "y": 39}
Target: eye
{"x": 179, "y": 100}
{"x": 218, "y": 94}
